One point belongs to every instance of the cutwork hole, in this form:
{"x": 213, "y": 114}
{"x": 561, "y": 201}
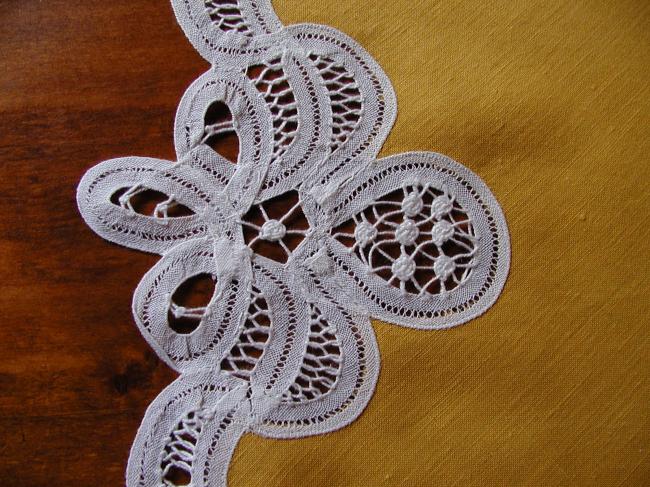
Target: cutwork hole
{"x": 417, "y": 238}
{"x": 321, "y": 363}
{"x": 219, "y": 132}
{"x": 227, "y": 16}
{"x": 245, "y": 354}
{"x": 177, "y": 477}
{"x": 270, "y": 80}
{"x": 284, "y": 209}
{"x": 345, "y": 99}
{"x": 149, "y": 202}
{"x": 189, "y": 303}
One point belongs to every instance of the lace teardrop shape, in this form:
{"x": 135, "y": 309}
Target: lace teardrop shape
{"x": 420, "y": 241}
{"x": 105, "y": 198}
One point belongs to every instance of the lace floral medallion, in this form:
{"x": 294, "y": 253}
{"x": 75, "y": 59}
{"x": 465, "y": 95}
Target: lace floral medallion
{"x": 301, "y": 239}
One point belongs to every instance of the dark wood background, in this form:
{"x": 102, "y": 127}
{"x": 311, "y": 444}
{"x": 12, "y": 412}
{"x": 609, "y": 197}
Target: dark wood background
{"x": 80, "y": 82}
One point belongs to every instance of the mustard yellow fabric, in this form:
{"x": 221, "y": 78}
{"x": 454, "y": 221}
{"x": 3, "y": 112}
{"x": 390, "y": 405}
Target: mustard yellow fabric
{"x": 549, "y": 102}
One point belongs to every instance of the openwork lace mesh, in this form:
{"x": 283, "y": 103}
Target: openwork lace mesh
{"x": 280, "y": 235}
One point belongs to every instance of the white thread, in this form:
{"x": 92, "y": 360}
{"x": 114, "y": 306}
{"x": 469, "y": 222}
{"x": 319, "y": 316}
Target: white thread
{"x": 284, "y": 347}
{"x": 407, "y": 232}
{"x": 273, "y": 230}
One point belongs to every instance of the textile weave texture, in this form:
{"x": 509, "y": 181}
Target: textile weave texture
{"x": 282, "y": 345}
{"x": 549, "y": 102}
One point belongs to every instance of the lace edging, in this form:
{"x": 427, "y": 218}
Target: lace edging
{"x": 299, "y": 239}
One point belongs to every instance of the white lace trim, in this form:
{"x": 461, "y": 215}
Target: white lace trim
{"x": 303, "y": 238}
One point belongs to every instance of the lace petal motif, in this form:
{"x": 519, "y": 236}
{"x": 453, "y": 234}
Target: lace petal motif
{"x": 280, "y": 235}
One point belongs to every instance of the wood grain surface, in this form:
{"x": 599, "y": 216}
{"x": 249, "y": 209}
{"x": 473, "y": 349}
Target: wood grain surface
{"x": 79, "y": 83}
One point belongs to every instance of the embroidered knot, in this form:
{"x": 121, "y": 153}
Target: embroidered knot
{"x": 407, "y": 233}
{"x": 441, "y": 232}
{"x": 443, "y": 267}
{"x": 273, "y": 230}
{"x": 412, "y": 204}
{"x": 365, "y": 233}
{"x": 178, "y": 311}
{"x": 404, "y": 267}
{"x": 441, "y": 206}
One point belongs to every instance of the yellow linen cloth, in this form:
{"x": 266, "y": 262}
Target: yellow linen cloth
{"x": 549, "y": 102}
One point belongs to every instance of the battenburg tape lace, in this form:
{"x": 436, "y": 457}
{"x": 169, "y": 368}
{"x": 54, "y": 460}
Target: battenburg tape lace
{"x": 304, "y": 237}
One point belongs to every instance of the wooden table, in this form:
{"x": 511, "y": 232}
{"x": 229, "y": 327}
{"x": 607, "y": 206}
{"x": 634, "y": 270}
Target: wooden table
{"x": 78, "y": 85}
